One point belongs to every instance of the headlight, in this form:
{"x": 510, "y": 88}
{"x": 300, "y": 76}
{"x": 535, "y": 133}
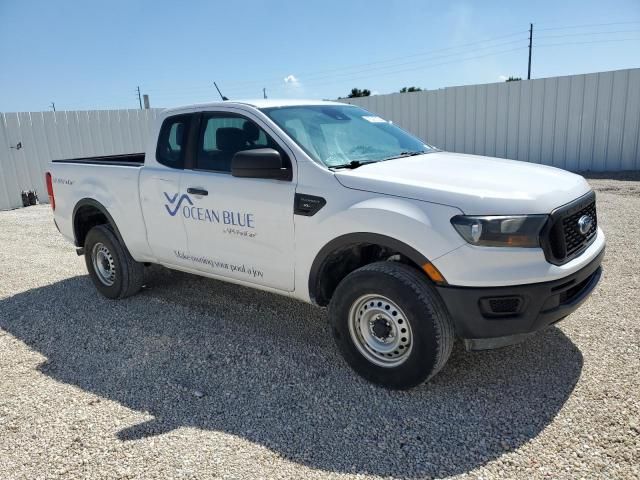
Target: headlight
{"x": 501, "y": 231}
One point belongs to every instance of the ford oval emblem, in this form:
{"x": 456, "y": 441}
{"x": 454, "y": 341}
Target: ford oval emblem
{"x": 584, "y": 224}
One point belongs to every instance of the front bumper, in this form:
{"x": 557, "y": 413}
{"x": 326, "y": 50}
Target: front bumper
{"x": 490, "y": 317}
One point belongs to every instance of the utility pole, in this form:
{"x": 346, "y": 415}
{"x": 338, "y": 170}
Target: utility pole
{"x": 530, "y": 48}
{"x": 139, "y": 98}
{"x": 53, "y": 106}
{"x": 264, "y": 93}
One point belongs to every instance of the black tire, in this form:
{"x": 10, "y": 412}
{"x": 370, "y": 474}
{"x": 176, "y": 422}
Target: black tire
{"x": 127, "y": 274}
{"x": 431, "y": 329}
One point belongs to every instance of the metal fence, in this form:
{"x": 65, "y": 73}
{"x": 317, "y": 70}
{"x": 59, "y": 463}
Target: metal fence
{"x": 581, "y": 122}
{"x": 43, "y": 136}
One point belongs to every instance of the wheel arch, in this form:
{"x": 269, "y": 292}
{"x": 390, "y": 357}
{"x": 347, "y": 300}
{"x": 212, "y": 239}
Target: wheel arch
{"x": 320, "y": 291}
{"x": 88, "y": 213}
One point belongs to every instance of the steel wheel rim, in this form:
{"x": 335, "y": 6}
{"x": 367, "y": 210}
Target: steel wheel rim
{"x": 380, "y": 330}
{"x": 103, "y": 264}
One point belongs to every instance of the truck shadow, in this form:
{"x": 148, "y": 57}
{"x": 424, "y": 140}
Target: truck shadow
{"x": 200, "y": 353}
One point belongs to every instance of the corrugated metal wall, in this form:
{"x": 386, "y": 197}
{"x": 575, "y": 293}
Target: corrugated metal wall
{"x": 582, "y": 122}
{"x": 52, "y": 135}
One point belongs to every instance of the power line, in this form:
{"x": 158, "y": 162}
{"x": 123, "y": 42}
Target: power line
{"x": 585, "y": 43}
{"x": 97, "y": 101}
{"x": 352, "y": 77}
{"x": 243, "y": 85}
{"x": 428, "y": 53}
{"x": 420, "y": 67}
{"x": 308, "y": 75}
{"x": 489, "y": 54}
{"x": 347, "y": 76}
{"x": 588, "y": 33}
{"x": 432, "y": 57}
{"x": 371, "y": 70}
{"x": 428, "y": 66}
{"x": 356, "y": 69}
{"x": 588, "y": 25}
{"x": 358, "y": 74}
{"x": 389, "y": 66}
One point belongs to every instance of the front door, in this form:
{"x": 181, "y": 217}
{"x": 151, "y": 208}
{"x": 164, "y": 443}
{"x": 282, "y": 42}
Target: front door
{"x": 160, "y": 192}
{"x": 241, "y": 228}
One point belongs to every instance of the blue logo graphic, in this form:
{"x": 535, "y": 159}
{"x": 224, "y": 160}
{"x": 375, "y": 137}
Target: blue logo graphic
{"x": 202, "y": 214}
{"x": 172, "y": 202}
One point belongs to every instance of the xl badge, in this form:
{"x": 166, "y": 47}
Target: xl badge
{"x": 584, "y": 224}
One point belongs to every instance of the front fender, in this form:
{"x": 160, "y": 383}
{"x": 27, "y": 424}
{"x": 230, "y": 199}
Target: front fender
{"x": 422, "y": 226}
{"x": 420, "y": 230}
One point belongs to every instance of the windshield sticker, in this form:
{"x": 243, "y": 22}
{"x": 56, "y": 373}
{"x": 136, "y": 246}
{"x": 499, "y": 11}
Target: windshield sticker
{"x": 374, "y": 119}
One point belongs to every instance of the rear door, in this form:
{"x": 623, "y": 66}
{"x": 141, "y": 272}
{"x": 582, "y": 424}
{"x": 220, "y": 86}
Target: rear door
{"x": 241, "y": 228}
{"x": 161, "y": 194}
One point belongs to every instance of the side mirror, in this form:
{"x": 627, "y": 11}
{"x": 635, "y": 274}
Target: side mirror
{"x": 259, "y": 163}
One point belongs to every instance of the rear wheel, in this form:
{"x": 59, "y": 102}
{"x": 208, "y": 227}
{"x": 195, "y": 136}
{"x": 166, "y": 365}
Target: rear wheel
{"x": 391, "y": 325}
{"x": 111, "y": 268}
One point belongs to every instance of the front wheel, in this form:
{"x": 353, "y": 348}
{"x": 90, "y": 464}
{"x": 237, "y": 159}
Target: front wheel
{"x": 390, "y": 325}
{"x": 113, "y": 271}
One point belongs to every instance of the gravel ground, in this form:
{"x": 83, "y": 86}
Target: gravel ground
{"x": 195, "y": 378}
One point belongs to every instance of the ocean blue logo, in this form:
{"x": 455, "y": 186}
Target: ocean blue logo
{"x": 172, "y": 201}
{"x": 232, "y": 218}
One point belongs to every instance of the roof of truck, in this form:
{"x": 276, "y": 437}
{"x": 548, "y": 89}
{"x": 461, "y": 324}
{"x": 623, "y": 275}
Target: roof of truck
{"x": 260, "y": 103}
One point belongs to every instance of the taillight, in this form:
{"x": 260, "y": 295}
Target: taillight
{"x": 52, "y": 198}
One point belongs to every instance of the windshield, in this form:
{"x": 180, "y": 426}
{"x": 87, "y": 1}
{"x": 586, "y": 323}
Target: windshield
{"x": 343, "y": 136}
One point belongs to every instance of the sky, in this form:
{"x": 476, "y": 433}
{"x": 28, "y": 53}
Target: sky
{"x": 85, "y": 54}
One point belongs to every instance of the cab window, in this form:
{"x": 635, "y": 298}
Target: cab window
{"x": 172, "y": 141}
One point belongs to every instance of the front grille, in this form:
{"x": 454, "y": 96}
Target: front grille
{"x": 573, "y": 238}
{"x": 562, "y": 239}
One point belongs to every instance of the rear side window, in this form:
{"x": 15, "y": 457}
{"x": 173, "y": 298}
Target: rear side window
{"x": 172, "y": 141}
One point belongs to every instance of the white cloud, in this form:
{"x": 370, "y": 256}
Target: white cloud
{"x": 291, "y": 80}
{"x": 502, "y": 78}
{"x": 293, "y": 88}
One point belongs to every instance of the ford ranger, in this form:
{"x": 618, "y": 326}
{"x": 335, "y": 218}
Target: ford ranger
{"x": 410, "y": 247}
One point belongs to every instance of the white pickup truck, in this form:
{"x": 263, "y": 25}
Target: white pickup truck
{"x": 409, "y": 246}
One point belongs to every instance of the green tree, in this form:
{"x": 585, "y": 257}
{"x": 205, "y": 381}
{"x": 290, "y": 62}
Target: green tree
{"x": 356, "y": 92}
{"x": 513, "y": 79}
{"x": 410, "y": 89}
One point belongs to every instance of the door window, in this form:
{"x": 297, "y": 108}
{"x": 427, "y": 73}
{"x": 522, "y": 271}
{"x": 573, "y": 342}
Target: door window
{"x": 223, "y": 135}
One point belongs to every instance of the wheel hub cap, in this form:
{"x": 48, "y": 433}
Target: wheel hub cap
{"x": 380, "y": 330}
{"x": 103, "y": 264}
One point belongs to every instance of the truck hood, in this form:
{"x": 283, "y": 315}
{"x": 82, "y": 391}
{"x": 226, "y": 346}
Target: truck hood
{"x": 476, "y": 185}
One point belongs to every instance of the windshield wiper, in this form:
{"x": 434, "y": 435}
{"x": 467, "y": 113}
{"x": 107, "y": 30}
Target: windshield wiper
{"x": 404, "y": 154}
{"x": 353, "y": 164}
{"x": 357, "y": 163}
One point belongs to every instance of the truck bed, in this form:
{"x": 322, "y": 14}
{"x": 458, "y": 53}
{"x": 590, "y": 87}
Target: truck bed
{"x": 124, "y": 160}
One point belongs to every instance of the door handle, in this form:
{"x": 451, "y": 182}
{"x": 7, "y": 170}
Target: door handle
{"x": 197, "y": 191}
